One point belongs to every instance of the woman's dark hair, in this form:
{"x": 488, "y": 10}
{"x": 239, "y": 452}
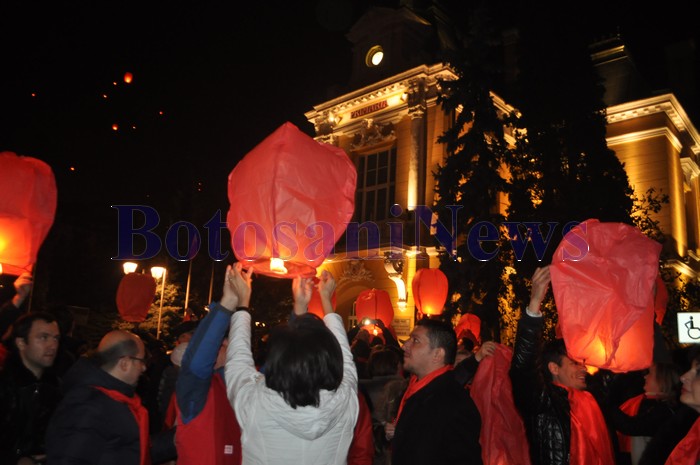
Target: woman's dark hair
{"x": 303, "y": 358}
{"x": 383, "y": 363}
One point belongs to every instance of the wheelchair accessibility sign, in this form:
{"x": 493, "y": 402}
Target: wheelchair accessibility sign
{"x": 688, "y": 327}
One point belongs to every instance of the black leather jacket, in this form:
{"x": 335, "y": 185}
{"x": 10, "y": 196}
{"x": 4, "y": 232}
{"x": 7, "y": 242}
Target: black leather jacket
{"x": 26, "y": 405}
{"x": 544, "y": 407}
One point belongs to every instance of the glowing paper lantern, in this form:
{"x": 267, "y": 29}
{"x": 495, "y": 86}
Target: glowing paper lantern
{"x": 374, "y": 304}
{"x": 469, "y": 326}
{"x": 135, "y": 295}
{"x": 429, "y": 291}
{"x": 603, "y": 277}
{"x": 128, "y": 77}
{"x": 315, "y": 305}
{"x": 27, "y": 210}
{"x": 291, "y": 198}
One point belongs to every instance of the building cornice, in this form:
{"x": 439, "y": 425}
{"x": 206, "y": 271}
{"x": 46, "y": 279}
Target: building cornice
{"x": 665, "y": 103}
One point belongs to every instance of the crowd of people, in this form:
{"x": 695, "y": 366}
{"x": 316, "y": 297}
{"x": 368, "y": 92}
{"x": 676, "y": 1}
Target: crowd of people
{"x": 324, "y": 395}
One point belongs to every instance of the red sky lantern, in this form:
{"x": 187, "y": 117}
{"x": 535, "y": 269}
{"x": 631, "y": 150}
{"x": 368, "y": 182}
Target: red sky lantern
{"x": 603, "y": 277}
{"x": 429, "y": 291}
{"x": 135, "y": 296}
{"x": 503, "y": 438}
{"x": 469, "y": 324}
{"x": 128, "y": 77}
{"x": 374, "y": 304}
{"x": 27, "y": 210}
{"x": 315, "y": 305}
{"x": 290, "y": 198}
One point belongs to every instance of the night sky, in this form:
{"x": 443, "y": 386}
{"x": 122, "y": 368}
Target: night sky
{"x": 211, "y": 79}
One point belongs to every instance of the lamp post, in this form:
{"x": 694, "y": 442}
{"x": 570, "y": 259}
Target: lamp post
{"x": 159, "y": 272}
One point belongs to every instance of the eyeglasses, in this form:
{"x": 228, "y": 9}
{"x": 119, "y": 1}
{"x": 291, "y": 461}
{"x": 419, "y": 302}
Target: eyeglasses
{"x": 142, "y": 360}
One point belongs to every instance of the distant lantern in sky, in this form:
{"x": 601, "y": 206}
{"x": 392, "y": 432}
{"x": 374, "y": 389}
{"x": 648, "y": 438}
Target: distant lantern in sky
{"x": 115, "y": 126}
{"x": 128, "y": 77}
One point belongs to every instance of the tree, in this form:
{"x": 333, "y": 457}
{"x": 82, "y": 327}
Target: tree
{"x": 471, "y": 175}
{"x": 562, "y": 170}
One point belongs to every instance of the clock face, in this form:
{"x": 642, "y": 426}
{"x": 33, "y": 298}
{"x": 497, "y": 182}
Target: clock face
{"x": 374, "y": 57}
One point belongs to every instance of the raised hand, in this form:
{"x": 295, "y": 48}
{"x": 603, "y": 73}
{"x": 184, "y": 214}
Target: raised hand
{"x": 302, "y": 289}
{"x": 237, "y": 286}
{"x": 540, "y": 283}
{"x": 487, "y": 348}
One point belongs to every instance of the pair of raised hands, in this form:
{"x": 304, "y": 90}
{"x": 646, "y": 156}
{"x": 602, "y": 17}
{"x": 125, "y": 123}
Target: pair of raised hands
{"x": 237, "y": 289}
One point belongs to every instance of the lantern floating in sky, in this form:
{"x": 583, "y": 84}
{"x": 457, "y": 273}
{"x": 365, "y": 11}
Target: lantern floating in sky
{"x": 603, "y": 277}
{"x": 135, "y": 296}
{"x": 128, "y": 77}
{"x": 429, "y": 291}
{"x": 291, "y": 198}
{"x": 27, "y": 210}
{"x": 374, "y": 304}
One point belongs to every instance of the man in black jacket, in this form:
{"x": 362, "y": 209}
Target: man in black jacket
{"x": 438, "y": 421}
{"x": 29, "y": 390}
{"x": 564, "y": 424}
{"x": 100, "y": 418}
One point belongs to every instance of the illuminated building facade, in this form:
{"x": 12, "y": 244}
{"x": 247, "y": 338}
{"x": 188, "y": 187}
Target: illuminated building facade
{"x": 389, "y": 124}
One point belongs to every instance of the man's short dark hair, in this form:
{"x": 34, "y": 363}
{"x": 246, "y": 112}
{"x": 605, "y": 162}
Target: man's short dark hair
{"x": 383, "y": 362}
{"x": 304, "y": 357}
{"x": 441, "y": 335}
{"x": 553, "y": 351}
{"x": 23, "y": 325}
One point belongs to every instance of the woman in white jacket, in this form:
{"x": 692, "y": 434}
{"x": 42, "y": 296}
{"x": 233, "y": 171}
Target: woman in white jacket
{"x": 304, "y": 408}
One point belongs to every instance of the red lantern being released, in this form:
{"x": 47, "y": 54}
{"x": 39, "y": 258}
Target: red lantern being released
{"x": 135, "y": 296}
{"x": 374, "y": 304}
{"x": 603, "y": 277}
{"x": 469, "y": 326}
{"x": 291, "y": 198}
{"x": 27, "y": 210}
{"x": 429, "y": 291}
{"x": 315, "y": 305}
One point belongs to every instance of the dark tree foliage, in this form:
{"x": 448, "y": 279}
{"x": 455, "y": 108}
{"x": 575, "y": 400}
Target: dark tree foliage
{"x": 562, "y": 170}
{"x": 470, "y": 175}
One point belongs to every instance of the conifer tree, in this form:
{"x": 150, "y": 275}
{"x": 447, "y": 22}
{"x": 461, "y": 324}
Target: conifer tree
{"x": 470, "y": 180}
{"x": 562, "y": 170}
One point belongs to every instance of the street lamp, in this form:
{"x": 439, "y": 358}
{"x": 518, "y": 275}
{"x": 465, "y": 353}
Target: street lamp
{"x": 130, "y": 267}
{"x": 159, "y": 272}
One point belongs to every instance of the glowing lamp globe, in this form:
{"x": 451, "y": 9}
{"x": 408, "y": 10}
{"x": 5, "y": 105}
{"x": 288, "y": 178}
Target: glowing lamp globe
{"x": 603, "y": 279}
{"x": 291, "y": 199}
{"x": 27, "y": 210}
{"x": 429, "y": 291}
{"x": 135, "y": 295}
{"x": 374, "y": 304}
